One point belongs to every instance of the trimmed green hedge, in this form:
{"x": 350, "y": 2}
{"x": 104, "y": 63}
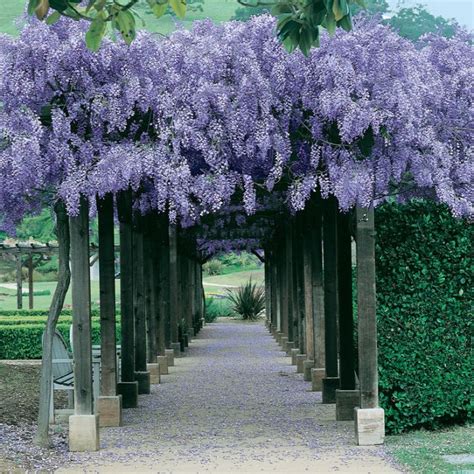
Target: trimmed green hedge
{"x": 424, "y": 291}
{"x": 21, "y": 313}
{"x": 23, "y": 341}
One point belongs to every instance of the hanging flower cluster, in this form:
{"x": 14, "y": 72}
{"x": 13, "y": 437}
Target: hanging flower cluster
{"x": 223, "y": 115}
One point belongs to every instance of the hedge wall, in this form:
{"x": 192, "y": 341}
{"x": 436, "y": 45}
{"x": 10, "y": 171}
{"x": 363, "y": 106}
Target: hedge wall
{"x": 424, "y": 290}
{"x": 23, "y": 341}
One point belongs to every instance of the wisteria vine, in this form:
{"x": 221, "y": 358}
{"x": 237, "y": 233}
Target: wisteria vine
{"x": 222, "y": 115}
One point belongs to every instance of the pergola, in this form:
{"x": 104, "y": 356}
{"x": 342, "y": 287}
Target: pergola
{"x": 308, "y": 300}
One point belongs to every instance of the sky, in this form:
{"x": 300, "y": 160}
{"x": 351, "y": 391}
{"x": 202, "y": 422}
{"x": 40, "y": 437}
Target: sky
{"x": 461, "y": 10}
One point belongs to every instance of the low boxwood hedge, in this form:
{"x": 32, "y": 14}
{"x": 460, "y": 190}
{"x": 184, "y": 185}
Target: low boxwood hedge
{"x": 424, "y": 293}
{"x": 23, "y": 341}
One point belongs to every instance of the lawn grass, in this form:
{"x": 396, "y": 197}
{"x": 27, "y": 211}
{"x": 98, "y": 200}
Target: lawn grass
{"x": 421, "y": 451}
{"x": 217, "y": 10}
{"x": 8, "y": 296}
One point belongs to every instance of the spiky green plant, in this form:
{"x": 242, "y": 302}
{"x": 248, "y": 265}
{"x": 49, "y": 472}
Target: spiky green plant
{"x": 248, "y": 300}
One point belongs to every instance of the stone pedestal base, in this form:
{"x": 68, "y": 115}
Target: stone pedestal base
{"x": 289, "y": 347}
{"x": 300, "y": 358}
{"x": 330, "y": 385}
{"x": 110, "y": 411}
{"x": 278, "y": 337}
{"x": 191, "y": 333}
{"x": 307, "y": 366}
{"x": 369, "y": 426}
{"x": 283, "y": 341}
{"x": 169, "y": 353}
{"x": 176, "y": 346}
{"x": 317, "y": 376}
{"x": 84, "y": 433}
{"x": 346, "y": 401}
{"x": 143, "y": 379}
{"x": 129, "y": 392}
{"x": 294, "y": 353}
{"x": 154, "y": 370}
{"x": 163, "y": 363}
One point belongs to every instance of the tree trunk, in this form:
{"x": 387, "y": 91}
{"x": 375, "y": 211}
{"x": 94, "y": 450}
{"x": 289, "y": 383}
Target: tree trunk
{"x": 64, "y": 278}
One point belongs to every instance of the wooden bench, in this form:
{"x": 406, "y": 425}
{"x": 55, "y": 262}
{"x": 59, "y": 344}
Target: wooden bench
{"x": 63, "y": 373}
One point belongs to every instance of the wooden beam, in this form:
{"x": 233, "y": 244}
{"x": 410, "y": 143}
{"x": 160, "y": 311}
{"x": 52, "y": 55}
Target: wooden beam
{"x": 108, "y": 380}
{"x": 81, "y": 314}
{"x": 366, "y": 308}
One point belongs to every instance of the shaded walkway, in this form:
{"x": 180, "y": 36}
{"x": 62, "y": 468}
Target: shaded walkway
{"x": 234, "y": 403}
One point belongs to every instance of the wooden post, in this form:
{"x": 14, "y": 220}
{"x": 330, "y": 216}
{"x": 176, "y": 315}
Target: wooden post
{"x": 308, "y": 289}
{"x": 141, "y": 374}
{"x": 30, "y": 282}
{"x": 368, "y": 374}
{"x": 81, "y": 321}
{"x": 346, "y": 323}
{"x": 19, "y": 283}
{"x": 283, "y": 284}
{"x": 128, "y": 388}
{"x": 108, "y": 353}
{"x": 150, "y": 264}
{"x": 290, "y": 281}
{"x": 110, "y": 405}
{"x": 318, "y": 287}
{"x": 331, "y": 382}
{"x": 268, "y": 288}
{"x": 174, "y": 289}
{"x": 369, "y": 419}
{"x": 163, "y": 284}
{"x": 83, "y": 425}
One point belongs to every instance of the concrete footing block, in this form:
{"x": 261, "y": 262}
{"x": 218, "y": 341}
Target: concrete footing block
{"x": 169, "y": 353}
{"x": 129, "y": 392}
{"x": 369, "y": 426}
{"x": 163, "y": 363}
{"x": 110, "y": 410}
{"x": 283, "y": 341}
{"x": 330, "y": 385}
{"x": 346, "y": 401}
{"x": 278, "y": 337}
{"x": 143, "y": 379}
{"x": 289, "y": 347}
{"x": 307, "y": 366}
{"x": 176, "y": 346}
{"x": 317, "y": 376}
{"x": 84, "y": 433}
{"x": 300, "y": 358}
{"x": 294, "y": 353}
{"x": 154, "y": 370}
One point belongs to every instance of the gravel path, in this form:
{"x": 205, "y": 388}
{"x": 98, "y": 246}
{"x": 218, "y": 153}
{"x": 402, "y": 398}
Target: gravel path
{"x": 233, "y": 404}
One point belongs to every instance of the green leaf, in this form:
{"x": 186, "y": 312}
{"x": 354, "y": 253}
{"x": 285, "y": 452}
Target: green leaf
{"x": 338, "y": 9}
{"x": 179, "y": 7}
{"x": 345, "y": 22}
{"x": 53, "y": 18}
{"x": 124, "y": 21}
{"x": 59, "y": 5}
{"x": 95, "y": 33}
{"x": 159, "y": 9}
{"x": 330, "y": 23}
{"x": 32, "y": 4}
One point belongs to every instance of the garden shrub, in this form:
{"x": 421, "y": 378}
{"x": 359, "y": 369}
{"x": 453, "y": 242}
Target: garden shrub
{"x": 23, "y": 341}
{"x": 19, "y": 313}
{"x": 424, "y": 291}
{"x": 248, "y": 300}
{"x": 217, "y": 308}
{"x": 213, "y": 267}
